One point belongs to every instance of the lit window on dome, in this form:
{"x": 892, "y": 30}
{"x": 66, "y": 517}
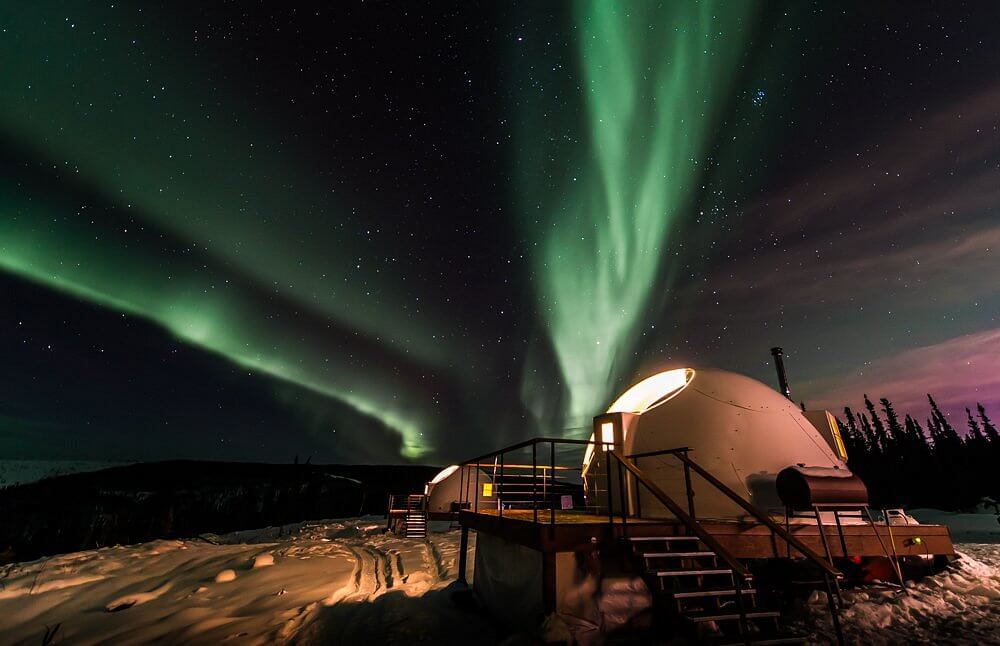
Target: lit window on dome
{"x": 444, "y": 474}
{"x": 607, "y": 435}
{"x": 652, "y": 391}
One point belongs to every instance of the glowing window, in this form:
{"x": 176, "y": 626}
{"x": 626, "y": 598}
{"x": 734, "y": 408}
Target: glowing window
{"x": 607, "y": 435}
{"x": 653, "y": 391}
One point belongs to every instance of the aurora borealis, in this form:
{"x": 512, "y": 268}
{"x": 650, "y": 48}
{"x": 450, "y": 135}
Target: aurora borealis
{"x": 363, "y": 233}
{"x": 652, "y": 81}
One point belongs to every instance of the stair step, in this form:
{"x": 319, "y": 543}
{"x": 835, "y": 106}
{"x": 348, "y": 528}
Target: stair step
{"x": 637, "y": 539}
{"x": 721, "y": 591}
{"x": 729, "y": 615}
{"x": 658, "y": 555}
{"x": 692, "y": 572}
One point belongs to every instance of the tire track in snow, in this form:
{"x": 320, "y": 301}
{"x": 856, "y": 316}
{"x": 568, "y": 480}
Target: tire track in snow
{"x": 434, "y": 561}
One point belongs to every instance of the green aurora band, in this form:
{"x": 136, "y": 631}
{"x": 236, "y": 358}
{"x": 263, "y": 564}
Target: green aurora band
{"x": 601, "y": 209}
{"x": 202, "y": 308}
{"x": 160, "y": 138}
{"x": 153, "y": 137}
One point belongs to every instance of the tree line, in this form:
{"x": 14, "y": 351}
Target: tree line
{"x": 906, "y": 463}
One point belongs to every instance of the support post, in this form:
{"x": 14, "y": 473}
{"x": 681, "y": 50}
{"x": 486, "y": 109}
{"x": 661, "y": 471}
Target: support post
{"x": 638, "y": 492}
{"x": 738, "y": 583}
{"x": 894, "y": 559}
{"x": 534, "y": 481}
{"x": 840, "y": 533}
{"x": 687, "y": 485}
{"x": 829, "y": 554}
{"x": 552, "y": 471}
{"x": 834, "y": 607}
{"x": 461, "y": 486}
{"x": 607, "y": 469}
{"x": 463, "y": 555}
{"x": 623, "y": 501}
{"x": 500, "y": 493}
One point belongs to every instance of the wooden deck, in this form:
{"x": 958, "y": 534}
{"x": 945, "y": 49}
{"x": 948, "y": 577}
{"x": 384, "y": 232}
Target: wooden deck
{"x": 572, "y": 530}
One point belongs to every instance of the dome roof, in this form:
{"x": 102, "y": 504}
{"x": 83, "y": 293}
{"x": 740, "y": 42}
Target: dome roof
{"x": 739, "y": 429}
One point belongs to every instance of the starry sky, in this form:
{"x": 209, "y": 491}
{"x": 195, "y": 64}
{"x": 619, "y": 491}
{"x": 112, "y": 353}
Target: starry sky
{"x": 383, "y": 232}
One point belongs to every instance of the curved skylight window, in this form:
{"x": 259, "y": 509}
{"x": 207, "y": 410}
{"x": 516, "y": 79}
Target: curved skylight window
{"x": 444, "y": 474}
{"x": 652, "y": 391}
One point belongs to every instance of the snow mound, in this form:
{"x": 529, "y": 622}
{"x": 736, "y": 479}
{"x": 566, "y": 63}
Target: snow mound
{"x": 262, "y": 560}
{"x": 225, "y": 576}
{"x": 130, "y": 600}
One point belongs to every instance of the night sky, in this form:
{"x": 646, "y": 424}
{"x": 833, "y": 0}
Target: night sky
{"x": 381, "y": 232}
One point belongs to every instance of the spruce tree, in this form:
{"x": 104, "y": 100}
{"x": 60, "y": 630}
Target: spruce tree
{"x": 976, "y": 437}
{"x": 858, "y": 449}
{"x": 869, "y": 433}
{"x": 988, "y": 428}
{"x": 917, "y": 435}
{"x": 896, "y": 432}
{"x": 877, "y": 426}
{"x": 935, "y": 433}
{"x": 992, "y": 453}
{"x": 948, "y": 433}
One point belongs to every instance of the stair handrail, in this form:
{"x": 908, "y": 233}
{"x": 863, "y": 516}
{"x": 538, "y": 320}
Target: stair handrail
{"x": 760, "y": 516}
{"x": 686, "y": 519}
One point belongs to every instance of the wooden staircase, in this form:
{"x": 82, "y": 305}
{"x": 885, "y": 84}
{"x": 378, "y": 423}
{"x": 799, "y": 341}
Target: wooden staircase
{"x": 702, "y": 596}
{"x": 416, "y": 516}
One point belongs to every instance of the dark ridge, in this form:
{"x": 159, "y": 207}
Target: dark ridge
{"x": 185, "y": 498}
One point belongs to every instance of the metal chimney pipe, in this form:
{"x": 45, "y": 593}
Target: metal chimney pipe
{"x": 779, "y": 365}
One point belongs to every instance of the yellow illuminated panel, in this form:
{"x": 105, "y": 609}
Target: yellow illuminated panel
{"x": 841, "y": 449}
{"x": 487, "y": 490}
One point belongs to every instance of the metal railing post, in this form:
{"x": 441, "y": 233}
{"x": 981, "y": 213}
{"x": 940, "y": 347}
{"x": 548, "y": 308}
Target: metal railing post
{"x": 607, "y": 469}
{"x": 689, "y": 488}
{"x": 552, "y": 470}
{"x": 834, "y": 609}
{"x": 622, "y": 501}
{"x": 534, "y": 481}
{"x": 738, "y": 583}
{"x": 463, "y": 555}
{"x": 638, "y": 492}
{"x": 476, "y": 492}
{"x": 461, "y": 486}
{"x": 500, "y": 493}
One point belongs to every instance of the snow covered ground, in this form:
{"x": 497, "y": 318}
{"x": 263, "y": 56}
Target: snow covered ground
{"x": 958, "y": 606}
{"x": 328, "y": 582}
{"x": 348, "y": 582}
{"x": 14, "y": 472}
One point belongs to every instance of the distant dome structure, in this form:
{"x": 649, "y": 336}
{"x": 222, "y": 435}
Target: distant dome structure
{"x": 739, "y": 429}
{"x": 445, "y": 491}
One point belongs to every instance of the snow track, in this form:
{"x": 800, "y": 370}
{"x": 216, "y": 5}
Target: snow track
{"x": 327, "y": 579}
{"x": 349, "y": 582}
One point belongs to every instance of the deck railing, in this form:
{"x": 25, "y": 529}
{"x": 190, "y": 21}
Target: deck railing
{"x": 543, "y": 475}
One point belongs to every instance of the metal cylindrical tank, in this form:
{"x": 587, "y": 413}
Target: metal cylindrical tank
{"x": 802, "y": 487}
